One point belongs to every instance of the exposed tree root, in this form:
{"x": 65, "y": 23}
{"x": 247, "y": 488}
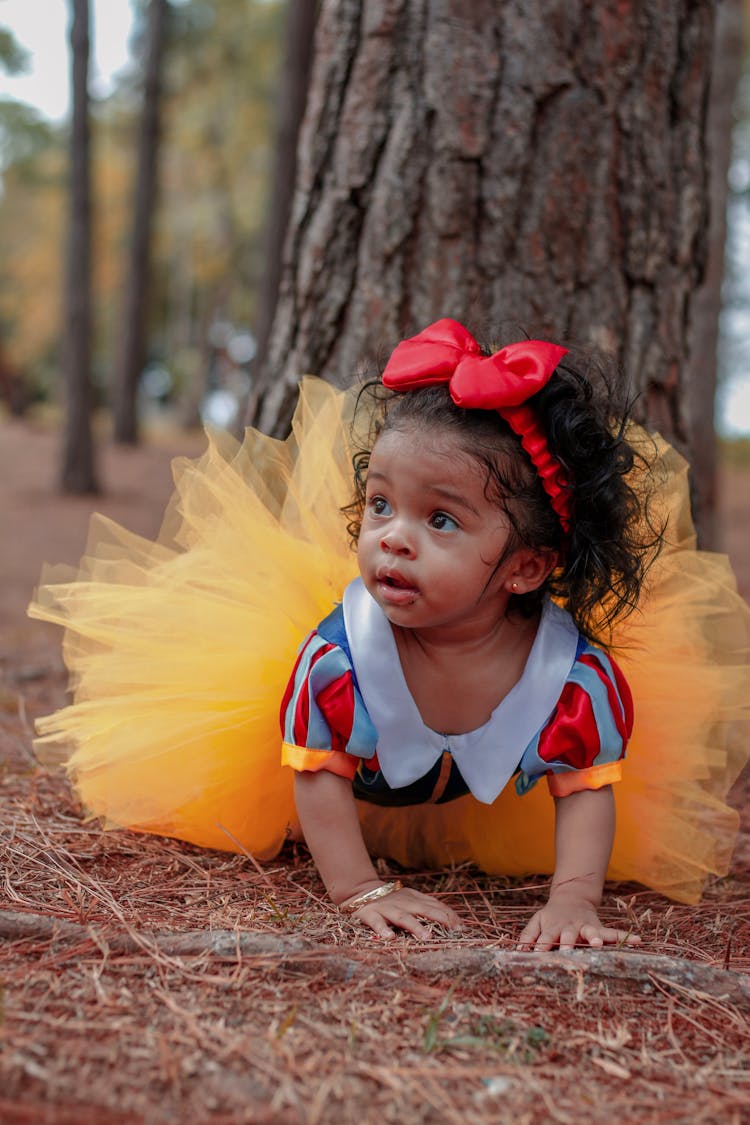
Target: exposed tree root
{"x": 296, "y": 954}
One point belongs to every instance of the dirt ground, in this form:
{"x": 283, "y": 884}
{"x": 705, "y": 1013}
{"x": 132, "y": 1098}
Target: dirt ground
{"x": 148, "y": 981}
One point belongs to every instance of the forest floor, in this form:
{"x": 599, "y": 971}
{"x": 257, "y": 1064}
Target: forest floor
{"x": 148, "y": 981}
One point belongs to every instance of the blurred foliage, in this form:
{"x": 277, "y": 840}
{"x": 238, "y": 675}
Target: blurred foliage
{"x": 14, "y": 59}
{"x": 221, "y": 69}
{"x": 31, "y": 275}
{"x": 23, "y": 133}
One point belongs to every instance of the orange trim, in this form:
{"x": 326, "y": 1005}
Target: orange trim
{"x": 573, "y": 781}
{"x": 335, "y": 761}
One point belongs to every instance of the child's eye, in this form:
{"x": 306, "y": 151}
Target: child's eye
{"x": 379, "y": 506}
{"x": 441, "y": 521}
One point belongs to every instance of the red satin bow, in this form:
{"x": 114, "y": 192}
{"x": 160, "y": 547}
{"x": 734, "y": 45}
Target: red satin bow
{"x": 446, "y": 352}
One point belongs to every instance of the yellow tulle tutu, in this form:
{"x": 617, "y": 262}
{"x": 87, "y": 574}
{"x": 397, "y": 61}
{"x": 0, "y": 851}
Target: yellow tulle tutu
{"x": 179, "y": 652}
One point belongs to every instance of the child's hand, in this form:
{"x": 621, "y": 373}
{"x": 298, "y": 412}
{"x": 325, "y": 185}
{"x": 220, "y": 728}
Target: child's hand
{"x": 567, "y": 922}
{"x": 403, "y": 910}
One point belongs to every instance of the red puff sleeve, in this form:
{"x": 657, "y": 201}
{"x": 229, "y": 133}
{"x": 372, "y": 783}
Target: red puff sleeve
{"x": 585, "y": 739}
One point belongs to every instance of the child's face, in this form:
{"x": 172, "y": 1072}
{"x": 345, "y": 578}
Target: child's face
{"x": 430, "y": 539}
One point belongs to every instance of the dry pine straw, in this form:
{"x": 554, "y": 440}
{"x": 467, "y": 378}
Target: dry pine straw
{"x": 306, "y": 1018}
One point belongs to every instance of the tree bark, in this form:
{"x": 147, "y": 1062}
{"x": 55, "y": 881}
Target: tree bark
{"x": 535, "y": 165}
{"x": 700, "y": 381}
{"x": 132, "y": 353}
{"x": 295, "y": 74}
{"x": 78, "y": 470}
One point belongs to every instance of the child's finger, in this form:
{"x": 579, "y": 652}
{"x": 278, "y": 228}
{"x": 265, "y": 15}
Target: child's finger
{"x": 424, "y": 906}
{"x": 546, "y": 941}
{"x": 597, "y": 936}
{"x": 620, "y": 937}
{"x": 410, "y": 916}
{"x": 412, "y": 925}
{"x": 444, "y": 915}
{"x": 569, "y": 938}
{"x": 377, "y": 923}
{"x": 529, "y": 935}
{"x": 382, "y": 920}
{"x": 404, "y": 910}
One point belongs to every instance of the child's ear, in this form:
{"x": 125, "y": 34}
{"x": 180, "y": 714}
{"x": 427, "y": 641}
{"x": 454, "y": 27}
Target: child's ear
{"x": 529, "y": 569}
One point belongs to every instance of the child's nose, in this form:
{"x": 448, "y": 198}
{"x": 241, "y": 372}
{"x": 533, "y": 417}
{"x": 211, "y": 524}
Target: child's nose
{"x": 396, "y": 542}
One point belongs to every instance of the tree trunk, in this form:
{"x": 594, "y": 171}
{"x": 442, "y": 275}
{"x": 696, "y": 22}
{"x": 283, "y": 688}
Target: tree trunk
{"x": 537, "y": 164}
{"x": 133, "y": 346}
{"x": 700, "y": 383}
{"x": 78, "y": 471}
{"x": 295, "y": 74}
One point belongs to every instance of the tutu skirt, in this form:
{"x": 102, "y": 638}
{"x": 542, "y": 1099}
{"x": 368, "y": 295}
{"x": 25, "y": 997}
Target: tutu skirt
{"x": 179, "y": 651}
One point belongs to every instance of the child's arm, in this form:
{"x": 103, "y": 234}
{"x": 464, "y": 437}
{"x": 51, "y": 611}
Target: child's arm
{"x": 584, "y": 830}
{"x": 325, "y": 805}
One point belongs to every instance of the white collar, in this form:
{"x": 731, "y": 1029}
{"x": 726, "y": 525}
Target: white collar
{"x": 487, "y": 757}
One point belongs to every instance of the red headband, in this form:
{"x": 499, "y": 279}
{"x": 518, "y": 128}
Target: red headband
{"x": 446, "y": 352}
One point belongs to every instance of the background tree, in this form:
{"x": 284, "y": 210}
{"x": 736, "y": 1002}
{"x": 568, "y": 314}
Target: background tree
{"x": 292, "y": 98}
{"x": 540, "y": 163}
{"x": 78, "y": 472}
{"x": 131, "y": 355}
{"x": 701, "y": 370}
{"x": 221, "y": 74}
{"x": 216, "y": 147}
{"x": 16, "y": 123}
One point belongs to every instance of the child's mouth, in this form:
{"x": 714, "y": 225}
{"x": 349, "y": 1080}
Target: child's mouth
{"x": 396, "y": 590}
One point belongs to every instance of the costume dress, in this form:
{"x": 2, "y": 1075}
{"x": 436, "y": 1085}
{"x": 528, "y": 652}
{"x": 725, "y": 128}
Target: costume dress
{"x": 180, "y": 653}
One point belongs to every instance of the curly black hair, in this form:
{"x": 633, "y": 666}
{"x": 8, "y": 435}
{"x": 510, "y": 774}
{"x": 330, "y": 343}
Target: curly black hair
{"x": 613, "y": 541}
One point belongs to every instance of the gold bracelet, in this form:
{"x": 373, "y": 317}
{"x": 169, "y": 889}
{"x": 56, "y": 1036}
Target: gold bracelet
{"x": 370, "y": 896}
